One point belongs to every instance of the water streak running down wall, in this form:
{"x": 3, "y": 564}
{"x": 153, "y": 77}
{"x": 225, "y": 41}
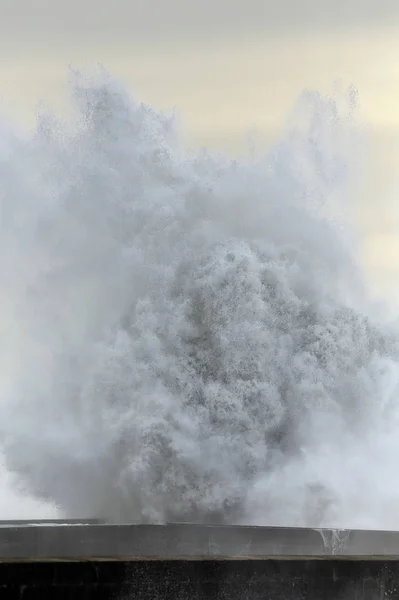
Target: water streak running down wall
{"x": 186, "y": 337}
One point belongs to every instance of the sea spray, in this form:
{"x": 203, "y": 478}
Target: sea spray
{"x": 184, "y": 336}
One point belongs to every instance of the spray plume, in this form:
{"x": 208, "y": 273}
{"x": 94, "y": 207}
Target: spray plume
{"x": 183, "y": 336}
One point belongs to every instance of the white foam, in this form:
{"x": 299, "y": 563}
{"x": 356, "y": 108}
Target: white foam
{"x": 185, "y": 337}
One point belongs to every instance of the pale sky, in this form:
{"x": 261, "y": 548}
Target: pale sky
{"x": 248, "y": 59}
{"x": 229, "y": 66}
{"x": 149, "y": 18}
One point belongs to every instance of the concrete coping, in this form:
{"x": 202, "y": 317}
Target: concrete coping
{"x": 25, "y": 523}
{"x": 54, "y": 540}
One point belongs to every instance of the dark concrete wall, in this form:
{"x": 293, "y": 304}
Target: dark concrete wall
{"x": 201, "y": 580}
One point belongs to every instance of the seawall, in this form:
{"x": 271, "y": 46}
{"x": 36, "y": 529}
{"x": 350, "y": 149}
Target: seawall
{"x": 94, "y": 560}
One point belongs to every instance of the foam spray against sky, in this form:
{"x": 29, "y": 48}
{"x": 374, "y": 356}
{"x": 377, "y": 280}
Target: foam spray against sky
{"x": 182, "y": 335}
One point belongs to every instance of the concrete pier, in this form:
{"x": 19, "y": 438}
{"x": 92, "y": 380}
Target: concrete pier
{"x": 68, "y": 560}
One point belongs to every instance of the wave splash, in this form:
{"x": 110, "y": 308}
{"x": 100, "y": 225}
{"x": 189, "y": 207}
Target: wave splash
{"x": 182, "y": 335}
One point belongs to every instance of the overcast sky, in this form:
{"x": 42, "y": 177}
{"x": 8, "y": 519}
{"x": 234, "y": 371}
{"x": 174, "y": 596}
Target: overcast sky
{"x": 229, "y": 66}
{"x": 150, "y": 18}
